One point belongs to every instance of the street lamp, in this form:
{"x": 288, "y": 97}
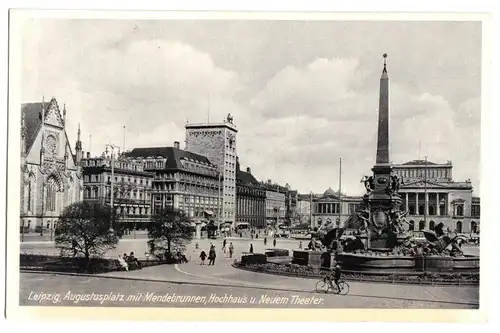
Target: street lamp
{"x": 112, "y": 194}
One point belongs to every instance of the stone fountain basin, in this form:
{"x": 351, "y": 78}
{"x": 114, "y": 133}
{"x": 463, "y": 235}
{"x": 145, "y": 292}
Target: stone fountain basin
{"x": 398, "y": 263}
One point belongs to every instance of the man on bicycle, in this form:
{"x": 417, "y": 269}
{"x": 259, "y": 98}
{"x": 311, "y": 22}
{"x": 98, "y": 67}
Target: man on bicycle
{"x": 336, "y": 274}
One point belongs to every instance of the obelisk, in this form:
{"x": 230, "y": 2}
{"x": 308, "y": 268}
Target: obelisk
{"x": 383, "y": 118}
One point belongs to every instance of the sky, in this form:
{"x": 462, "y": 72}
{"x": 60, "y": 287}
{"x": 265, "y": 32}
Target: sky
{"x": 303, "y": 93}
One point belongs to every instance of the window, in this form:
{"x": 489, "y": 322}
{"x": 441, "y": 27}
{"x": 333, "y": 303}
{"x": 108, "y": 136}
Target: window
{"x": 431, "y": 225}
{"x": 29, "y": 195}
{"x": 411, "y": 226}
{"x": 460, "y": 210}
{"x": 459, "y": 227}
{"x": 473, "y": 227}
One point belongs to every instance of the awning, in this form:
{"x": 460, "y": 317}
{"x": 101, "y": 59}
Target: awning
{"x": 203, "y": 224}
{"x": 244, "y": 223}
{"x": 209, "y": 212}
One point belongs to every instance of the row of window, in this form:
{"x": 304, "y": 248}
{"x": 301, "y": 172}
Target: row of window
{"x": 123, "y": 179}
{"x": 199, "y": 168}
{"x": 474, "y": 227}
{"x": 120, "y": 193}
{"x": 420, "y": 173}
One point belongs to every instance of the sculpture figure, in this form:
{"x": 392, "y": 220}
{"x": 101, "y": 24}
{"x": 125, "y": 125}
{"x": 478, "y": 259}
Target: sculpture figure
{"x": 368, "y": 182}
{"x": 229, "y": 118}
{"x": 438, "y": 241}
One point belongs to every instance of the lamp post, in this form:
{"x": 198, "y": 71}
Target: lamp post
{"x": 112, "y": 193}
{"x": 425, "y": 193}
{"x": 311, "y": 210}
{"x": 340, "y": 190}
{"x": 219, "y": 203}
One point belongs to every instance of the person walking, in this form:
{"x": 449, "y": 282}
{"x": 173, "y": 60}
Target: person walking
{"x": 300, "y": 245}
{"x": 211, "y": 256}
{"x": 265, "y": 241}
{"x": 203, "y": 256}
{"x": 231, "y": 250}
{"x": 274, "y": 242}
{"x": 251, "y": 248}
{"x": 224, "y": 243}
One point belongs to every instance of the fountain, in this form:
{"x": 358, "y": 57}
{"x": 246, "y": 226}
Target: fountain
{"x": 381, "y": 244}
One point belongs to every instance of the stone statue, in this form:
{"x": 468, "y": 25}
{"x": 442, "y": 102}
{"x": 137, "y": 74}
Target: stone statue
{"x": 438, "y": 241}
{"x": 395, "y": 183}
{"x": 229, "y": 118}
{"x": 368, "y": 182}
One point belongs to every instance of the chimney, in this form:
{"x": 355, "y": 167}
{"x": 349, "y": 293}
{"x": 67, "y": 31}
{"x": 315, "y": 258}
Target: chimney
{"x": 249, "y": 170}
{"x": 176, "y": 144}
{"x": 88, "y": 154}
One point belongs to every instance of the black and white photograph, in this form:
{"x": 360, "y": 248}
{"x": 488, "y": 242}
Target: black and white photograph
{"x": 245, "y": 163}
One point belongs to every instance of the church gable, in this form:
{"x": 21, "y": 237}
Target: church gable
{"x": 53, "y": 115}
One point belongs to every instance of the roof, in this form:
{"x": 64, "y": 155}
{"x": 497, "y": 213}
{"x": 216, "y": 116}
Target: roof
{"x": 419, "y": 162}
{"x": 172, "y": 154}
{"x": 329, "y": 192}
{"x": 246, "y": 178}
{"x": 32, "y": 121}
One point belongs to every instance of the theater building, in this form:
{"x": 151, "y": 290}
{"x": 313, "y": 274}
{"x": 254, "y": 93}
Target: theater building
{"x": 183, "y": 180}
{"x": 432, "y": 196}
{"x": 51, "y": 177}
{"x": 250, "y": 200}
{"x": 131, "y": 187}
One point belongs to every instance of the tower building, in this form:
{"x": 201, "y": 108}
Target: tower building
{"x": 217, "y": 141}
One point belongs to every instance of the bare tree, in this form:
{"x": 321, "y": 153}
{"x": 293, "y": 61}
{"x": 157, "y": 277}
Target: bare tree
{"x": 169, "y": 229}
{"x": 84, "y": 228}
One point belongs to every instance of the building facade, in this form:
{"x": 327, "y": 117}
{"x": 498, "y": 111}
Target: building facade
{"x": 131, "y": 188}
{"x": 432, "y": 196}
{"x": 182, "y": 180}
{"x": 429, "y": 193}
{"x": 250, "y": 200}
{"x": 51, "y": 178}
{"x": 217, "y": 141}
{"x": 327, "y": 208}
{"x": 275, "y": 203}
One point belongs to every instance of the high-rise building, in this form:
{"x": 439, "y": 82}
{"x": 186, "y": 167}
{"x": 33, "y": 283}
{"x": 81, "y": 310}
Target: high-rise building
{"x": 217, "y": 141}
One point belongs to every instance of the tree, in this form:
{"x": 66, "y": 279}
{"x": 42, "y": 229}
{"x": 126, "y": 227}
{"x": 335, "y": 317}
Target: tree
{"x": 84, "y": 228}
{"x": 169, "y": 228}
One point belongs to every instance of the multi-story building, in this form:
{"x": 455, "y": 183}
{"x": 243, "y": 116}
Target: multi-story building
{"x": 432, "y": 196}
{"x": 275, "y": 203}
{"x": 327, "y": 208}
{"x": 250, "y": 200}
{"x": 182, "y": 180}
{"x": 131, "y": 188}
{"x": 217, "y": 141}
{"x": 303, "y": 211}
{"x": 51, "y": 177}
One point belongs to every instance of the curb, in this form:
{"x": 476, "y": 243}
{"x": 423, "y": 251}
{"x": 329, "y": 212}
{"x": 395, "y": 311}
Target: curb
{"x": 315, "y": 276}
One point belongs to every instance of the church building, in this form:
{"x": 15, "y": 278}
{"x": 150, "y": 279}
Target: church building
{"x": 51, "y": 178}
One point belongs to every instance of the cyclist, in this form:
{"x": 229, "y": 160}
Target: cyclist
{"x": 336, "y": 274}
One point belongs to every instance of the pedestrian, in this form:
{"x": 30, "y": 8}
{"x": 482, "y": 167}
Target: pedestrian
{"x": 274, "y": 242}
{"x": 224, "y": 248}
{"x": 251, "y": 248}
{"x": 231, "y": 250}
{"x": 203, "y": 256}
{"x": 300, "y": 245}
{"x": 265, "y": 241}
{"x": 224, "y": 243}
{"x": 197, "y": 246}
{"x": 211, "y": 256}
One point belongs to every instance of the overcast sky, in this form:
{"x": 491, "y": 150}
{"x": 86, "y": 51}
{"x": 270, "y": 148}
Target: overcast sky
{"x": 303, "y": 94}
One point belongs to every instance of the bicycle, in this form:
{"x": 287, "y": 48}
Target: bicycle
{"x": 326, "y": 284}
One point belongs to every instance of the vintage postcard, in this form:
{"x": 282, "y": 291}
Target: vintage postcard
{"x": 236, "y": 162}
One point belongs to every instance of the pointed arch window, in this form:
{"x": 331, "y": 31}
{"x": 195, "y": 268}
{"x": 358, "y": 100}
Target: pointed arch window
{"x": 50, "y": 195}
